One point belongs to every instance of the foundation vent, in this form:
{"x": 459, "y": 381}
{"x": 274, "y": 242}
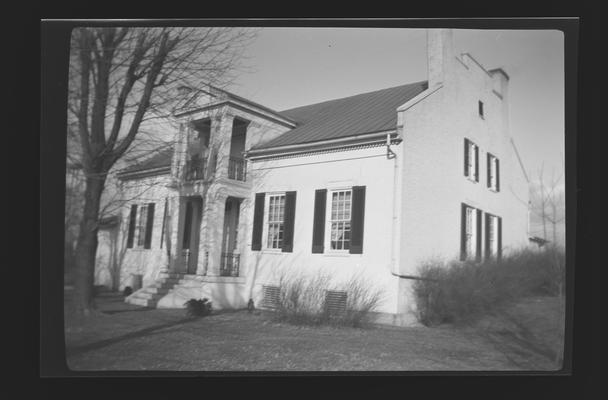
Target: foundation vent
{"x": 335, "y": 301}
{"x": 270, "y": 296}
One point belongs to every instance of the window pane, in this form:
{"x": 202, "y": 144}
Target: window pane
{"x": 340, "y": 219}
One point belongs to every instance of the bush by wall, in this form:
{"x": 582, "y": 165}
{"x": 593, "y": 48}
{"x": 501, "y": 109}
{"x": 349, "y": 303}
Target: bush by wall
{"x": 462, "y": 291}
{"x": 303, "y": 300}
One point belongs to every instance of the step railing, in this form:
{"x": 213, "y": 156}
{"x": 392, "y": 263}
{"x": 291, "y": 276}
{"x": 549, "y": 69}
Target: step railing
{"x": 194, "y": 169}
{"x": 237, "y": 169}
{"x": 229, "y": 265}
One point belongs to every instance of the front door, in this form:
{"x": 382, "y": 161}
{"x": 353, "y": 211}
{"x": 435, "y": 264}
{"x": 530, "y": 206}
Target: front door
{"x": 229, "y": 265}
{"x": 190, "y": 237}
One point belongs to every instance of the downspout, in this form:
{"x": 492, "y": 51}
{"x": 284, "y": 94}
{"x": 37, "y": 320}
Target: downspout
{"x": 394, "y": 235}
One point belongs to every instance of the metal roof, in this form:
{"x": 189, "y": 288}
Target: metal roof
{"x": 349, "y": 116}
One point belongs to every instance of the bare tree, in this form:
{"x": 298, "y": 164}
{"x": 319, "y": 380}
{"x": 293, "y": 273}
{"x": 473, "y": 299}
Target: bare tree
{"x": 548, "y": 203}
{"x": 119, "y": 78}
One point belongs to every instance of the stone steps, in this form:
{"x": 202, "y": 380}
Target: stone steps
{"x": 167, "y": 282}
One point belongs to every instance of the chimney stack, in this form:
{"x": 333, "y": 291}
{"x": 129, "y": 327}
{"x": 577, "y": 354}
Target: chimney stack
{"x": 440, "y": 54}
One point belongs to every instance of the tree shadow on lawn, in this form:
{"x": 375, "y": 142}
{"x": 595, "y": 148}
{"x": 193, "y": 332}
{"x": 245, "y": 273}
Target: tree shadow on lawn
{"x": 76, "y": 350}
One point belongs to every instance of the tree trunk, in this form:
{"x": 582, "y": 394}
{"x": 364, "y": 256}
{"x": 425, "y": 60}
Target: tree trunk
{"x": 86, "y": 247}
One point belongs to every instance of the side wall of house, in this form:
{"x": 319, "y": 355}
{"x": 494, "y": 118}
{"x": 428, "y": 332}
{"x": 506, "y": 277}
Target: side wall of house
{"x": 114, "y": 259}
{"x": 367, "y": 167}
{"x": 434, "y": 184}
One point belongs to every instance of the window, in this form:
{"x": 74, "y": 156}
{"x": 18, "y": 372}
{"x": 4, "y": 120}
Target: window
{"x": 471, "y": 160}
{"x": 340, "y": 219}
{"x": 276, "y": 218}
{"x": 480, "y": 108}
{"x": 470, "y": 233}
{"x": 141, "y": 225}
{"x": 493, "y": 173}
{"x": 141, "y": 221}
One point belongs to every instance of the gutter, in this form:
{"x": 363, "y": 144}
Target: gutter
{"x": 365, "y": 138}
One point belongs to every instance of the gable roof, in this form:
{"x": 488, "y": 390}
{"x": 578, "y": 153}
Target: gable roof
{"x": 349, "y": 116}
{"x": 197, "y": 101}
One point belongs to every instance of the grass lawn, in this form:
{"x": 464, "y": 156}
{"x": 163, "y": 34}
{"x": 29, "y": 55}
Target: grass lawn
{"x": 122, "y": 337}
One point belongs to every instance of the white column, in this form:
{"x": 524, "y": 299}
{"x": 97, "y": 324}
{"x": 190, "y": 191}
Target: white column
{"x": 214, "y": 226}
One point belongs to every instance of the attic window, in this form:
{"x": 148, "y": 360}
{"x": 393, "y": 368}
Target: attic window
{"x": 480, "y": 106}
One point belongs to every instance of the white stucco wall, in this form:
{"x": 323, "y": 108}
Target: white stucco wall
{"x": 364, "y": 167}
{"x": 434, "y": 185}
{"x": 136, "y": 260}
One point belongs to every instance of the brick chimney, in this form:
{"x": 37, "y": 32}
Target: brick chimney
{"x": 440, "y": 54}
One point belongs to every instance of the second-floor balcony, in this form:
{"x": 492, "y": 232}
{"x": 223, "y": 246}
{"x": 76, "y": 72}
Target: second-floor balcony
{"x": 195, "y": 169}
{"x": 237, "y": 169}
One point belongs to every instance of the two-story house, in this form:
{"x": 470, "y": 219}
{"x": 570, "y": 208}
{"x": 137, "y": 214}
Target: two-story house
{"x": 372, "y": 184}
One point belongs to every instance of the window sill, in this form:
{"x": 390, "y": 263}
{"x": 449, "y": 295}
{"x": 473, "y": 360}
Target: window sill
{"x": 339, "y": 254}
{"x": 472, "y": 179}
{"x": 271, "y": 251}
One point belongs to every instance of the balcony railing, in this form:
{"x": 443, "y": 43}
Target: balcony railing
{"x": 237, "y": 169}
{"x": 229, "y": 265}
{"x": 195, "y": 169}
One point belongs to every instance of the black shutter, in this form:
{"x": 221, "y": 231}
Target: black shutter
{"x": 466, "y": 157}
{"x": 497, "y": 175}
{"x": 357, "y": 220}
{"x": 132, "y": 219}
{"x": 288, "y": 224}
{"x": 487, "y": 235}
{"x": 463, "y": 232}
{"x": 258, "y": 221}
{"x": 499, "y": 239}
{"x": 489, "y": 170}
{"x": 476, "y": 163}
{"x": 318, "y": 225}
{"x": 149, "y": 226}
{"x": 478, "y": 232}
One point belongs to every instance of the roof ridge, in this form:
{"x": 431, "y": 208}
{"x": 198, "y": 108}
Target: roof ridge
{"x": 355, "y": 95}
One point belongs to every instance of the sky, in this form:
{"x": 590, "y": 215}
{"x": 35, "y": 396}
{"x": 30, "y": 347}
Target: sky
{"x": 291, "y": 67}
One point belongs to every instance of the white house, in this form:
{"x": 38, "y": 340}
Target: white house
{"x": 372, "y": 184}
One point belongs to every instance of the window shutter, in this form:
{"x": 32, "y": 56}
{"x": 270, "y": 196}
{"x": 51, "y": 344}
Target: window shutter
{"x": 489, "y": 169}
{"x": 149, "y": 226}
{"x": 487, "y": 235}
{"x": 476, "y": 163}
{"x": 318, "y": 227}
{"x": 132, "y": 219}
{"x": 463, "y": 232}
{"x": 466, "y": 157}
{"x": 499, "y": 239}
{"x": 357, "y": 220}
{"x": 478, "y": 232}
{"x": 258, "y": 221}
{"x": 288, "y": 225}
{"x": 497, "y": 175}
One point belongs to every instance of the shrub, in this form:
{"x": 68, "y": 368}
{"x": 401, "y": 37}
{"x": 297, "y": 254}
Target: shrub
{"x": 198, "y": 308}
{"x": 456, "y": 292}
{"x": 302, "y": 300}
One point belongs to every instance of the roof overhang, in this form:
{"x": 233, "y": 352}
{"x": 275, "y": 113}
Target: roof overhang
{"x": 345, "y": 143}
{"x": 145, "y": 173}
{"x": 244, "y": 106}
